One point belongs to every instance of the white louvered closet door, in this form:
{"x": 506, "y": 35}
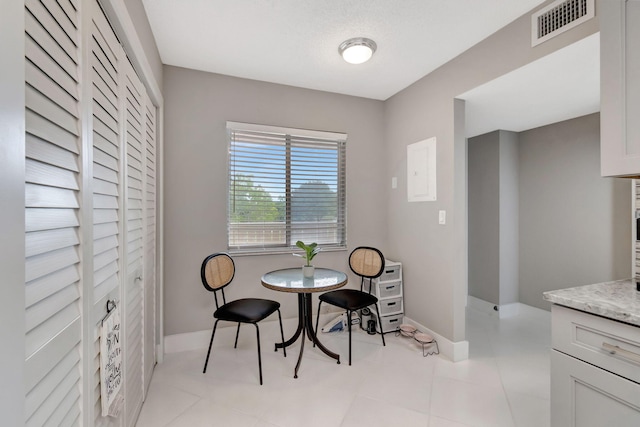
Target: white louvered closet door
{"x": 106, "y": 56}
{"x": 90, "y": 214}
{"x": 150, "y": 242}
{"x": 134, "y": 247}
{"x": 53, "y": 369}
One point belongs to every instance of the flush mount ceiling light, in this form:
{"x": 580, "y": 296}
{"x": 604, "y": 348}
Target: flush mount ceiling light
{"x": 357, "y": 50}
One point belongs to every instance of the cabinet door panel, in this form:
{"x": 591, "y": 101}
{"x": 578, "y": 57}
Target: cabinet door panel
{"x": 583, "y": 395}
{"x": 620, "y": 87}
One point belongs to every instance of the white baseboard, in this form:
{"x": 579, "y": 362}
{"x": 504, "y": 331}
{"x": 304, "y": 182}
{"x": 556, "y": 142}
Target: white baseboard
{"x": 500, "y": 311}
{"x": 456, "y": 351}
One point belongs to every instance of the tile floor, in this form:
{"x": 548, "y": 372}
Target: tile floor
{"x": 505, "y": 382}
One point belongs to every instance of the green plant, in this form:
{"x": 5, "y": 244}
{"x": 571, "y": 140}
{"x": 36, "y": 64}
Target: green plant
{"x": 310, "y": 251}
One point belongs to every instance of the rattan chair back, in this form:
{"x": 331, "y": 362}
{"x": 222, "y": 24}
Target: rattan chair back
{"x": 217, "y": 271}
{"x": 366, "y": 262}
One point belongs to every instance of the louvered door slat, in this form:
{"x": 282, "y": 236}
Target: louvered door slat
{"x": 134, "y": 237}
{"x": 135, "y": 174}
{"x": 104, "y": 244}
{"x": 59, "y": 402}
{"x": 59, "y": 408}
{"x": 49, "y": 240}
{"x": 60, "y": 28}
{"x": 102, "y": 291}
{"x": 104, "y": 230}
{"x": 39, "y": 313}
{"x": 38, "y": 79}
{"x": 105, "y": 78}
{"x": 106, "y": 146}
{"x": 64, "y": 19}
{"x": 45, "y": 152}
{"x": 105, "y": 173}
{"x": 69, "y": 9}
{"x": 103, "y": 159}
{"x": 41, "y": 265}
{"x": 106, "y": 273}
{"x": 51, "y": 176}
{"x": 105, "y": 188}
{"x": 64, "y": 369}
{"x": 44, "y": 51}
{"x": 100, "y": 260}
{"x": 108, "y": 124}
{"x": 102, "y": 216}
{"x": 37, "y": 54}
{"x": 38, "y": 126}
{"x": 42, "y": 334}
{"x": 40, "y": 196}
{"x": 37, "y": 219}
{"x": 51, "y": 111}
{"x": 103, "y": 93}
{"x": 39, "y": 364}
{"x": 39, "y": 289}
{"x": 104, "y": 202}
{"x": 108, "y": 46}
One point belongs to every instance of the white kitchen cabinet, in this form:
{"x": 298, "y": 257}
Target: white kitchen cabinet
{"x": 619, "y": 87}
{"x": 595, "y": 371}
{"x": 583, "y": 395}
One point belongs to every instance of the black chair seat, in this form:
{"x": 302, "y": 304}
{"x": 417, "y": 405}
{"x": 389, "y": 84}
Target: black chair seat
{"x": 247, "y": 310}
{"x": 348, "y": 299}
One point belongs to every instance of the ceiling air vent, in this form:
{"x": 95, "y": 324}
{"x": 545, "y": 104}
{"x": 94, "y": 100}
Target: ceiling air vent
{"x": 559, "y": 17}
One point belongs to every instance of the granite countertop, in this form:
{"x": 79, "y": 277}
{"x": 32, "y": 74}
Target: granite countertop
{"x": 617, "y": 300}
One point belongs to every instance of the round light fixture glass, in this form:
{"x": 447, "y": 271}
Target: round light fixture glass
{"x": 357, "y": 50}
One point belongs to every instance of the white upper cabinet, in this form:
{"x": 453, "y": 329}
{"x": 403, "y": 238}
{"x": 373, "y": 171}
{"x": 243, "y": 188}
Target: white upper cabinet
{"x": 620, "y": 87}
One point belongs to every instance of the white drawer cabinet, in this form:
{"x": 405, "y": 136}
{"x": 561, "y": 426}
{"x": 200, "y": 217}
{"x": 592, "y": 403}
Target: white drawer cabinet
{"x": 593, "y": 339}
{"x": 595, "y": 371}
{"x": 619, "y": 87}
{"x": 388, "y": 289}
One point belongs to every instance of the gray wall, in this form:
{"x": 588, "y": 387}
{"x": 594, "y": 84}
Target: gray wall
{"x": 575, "y": 227}
{"x": 435, "y": 256}
{"x": 509, "y": 217}
{"x": 493, "y": 217}
{"x": 484, "y": 217}
{"x": 197, "y": 106}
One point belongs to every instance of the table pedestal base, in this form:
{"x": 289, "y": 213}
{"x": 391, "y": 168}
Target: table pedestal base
{"x": 305, "y": 327}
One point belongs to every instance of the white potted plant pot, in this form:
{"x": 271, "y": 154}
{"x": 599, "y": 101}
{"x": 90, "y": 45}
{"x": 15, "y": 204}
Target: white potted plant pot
{"x": 308, "y": 270}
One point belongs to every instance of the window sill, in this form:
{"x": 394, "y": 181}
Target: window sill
{"x": 279, "y": 251}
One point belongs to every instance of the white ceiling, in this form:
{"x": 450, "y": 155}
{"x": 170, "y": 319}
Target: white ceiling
{"x": 295, "y": 42}
{"x": 560, "y": 86}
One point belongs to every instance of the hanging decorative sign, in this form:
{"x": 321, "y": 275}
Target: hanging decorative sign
{"x": 111, "y": 362}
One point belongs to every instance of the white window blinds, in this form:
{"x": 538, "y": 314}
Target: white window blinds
{"x": 285, "y": 185}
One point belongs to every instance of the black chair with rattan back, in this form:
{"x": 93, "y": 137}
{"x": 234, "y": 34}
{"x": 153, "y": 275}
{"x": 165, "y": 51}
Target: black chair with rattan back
{"x": 368, "y": 263}
{"x": 217, "y": 272}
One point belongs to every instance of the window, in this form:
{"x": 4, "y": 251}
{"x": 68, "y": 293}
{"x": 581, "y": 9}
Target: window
{"x": 285, "y": 185}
